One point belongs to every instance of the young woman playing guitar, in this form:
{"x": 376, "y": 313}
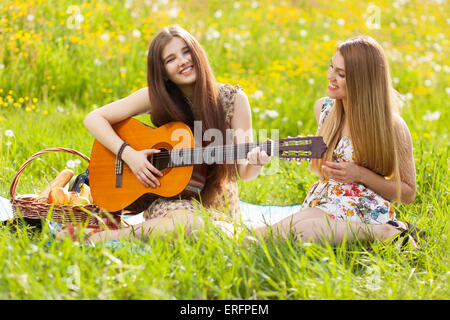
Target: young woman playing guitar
{"x": 181, "y": 87}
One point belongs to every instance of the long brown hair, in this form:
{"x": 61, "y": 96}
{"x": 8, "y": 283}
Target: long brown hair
{"x": 371, "y": 109}
{"x": 169, "y": 104}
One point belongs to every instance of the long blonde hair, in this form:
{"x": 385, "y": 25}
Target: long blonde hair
{"x": 371, "y": 109}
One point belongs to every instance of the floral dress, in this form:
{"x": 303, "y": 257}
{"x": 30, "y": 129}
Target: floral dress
{"x": 225, "y": 205}
{"x": 347, "y": 201}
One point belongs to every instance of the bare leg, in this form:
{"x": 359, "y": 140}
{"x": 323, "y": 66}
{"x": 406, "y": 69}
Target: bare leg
{"x": 158, "y": 226}
{"x": 313, "y": 224}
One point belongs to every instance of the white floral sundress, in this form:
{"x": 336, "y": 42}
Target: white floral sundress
{"x": 347, "y": 201}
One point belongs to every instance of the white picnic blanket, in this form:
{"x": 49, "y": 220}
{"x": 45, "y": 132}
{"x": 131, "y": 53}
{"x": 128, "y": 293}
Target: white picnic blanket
{"x": 6, "y": 210}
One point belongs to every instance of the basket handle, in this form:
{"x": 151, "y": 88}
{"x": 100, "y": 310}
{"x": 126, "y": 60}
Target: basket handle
{"x": 12, "y": 190}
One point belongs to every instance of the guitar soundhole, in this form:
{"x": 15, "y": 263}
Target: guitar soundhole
{"x": 160, "y": 160}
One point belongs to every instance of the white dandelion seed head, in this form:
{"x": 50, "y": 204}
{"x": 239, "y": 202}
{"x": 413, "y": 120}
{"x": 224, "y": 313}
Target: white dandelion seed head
{"x": 431, "y": 116}
{"x": 105, "y": 37}
{"x": 136, "y": 33}
{"x": 257, "y": 94}
{"x": 272, "y": 114}
{"x": 9, "y": 133}
{"x": 437, "y": 68}
{"x": 70, "y": 164}
{"x": 173, "y": 12}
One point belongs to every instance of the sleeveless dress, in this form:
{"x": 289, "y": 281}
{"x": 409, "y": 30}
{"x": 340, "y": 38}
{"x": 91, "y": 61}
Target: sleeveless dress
{"x": 225, "y": 205}
{"x": 347, "y": 201}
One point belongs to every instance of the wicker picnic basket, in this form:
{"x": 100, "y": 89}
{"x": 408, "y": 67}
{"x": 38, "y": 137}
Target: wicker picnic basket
{"x": 29, "y": 207}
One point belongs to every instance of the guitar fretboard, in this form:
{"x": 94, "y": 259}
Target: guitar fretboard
{"x": 211, "y": 154}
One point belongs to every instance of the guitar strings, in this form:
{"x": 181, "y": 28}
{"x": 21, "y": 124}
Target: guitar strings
{"x": 200, "y": 150}
{"x": 197, "y": 152}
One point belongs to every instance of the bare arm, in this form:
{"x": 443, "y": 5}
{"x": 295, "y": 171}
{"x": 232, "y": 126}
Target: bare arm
{"x": 99, "y": 122}
{"x": 241, "y": 123}
{"x": 349, "y": 172}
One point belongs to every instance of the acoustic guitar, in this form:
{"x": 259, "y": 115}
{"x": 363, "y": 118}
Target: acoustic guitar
{"x": 182, "y": 164}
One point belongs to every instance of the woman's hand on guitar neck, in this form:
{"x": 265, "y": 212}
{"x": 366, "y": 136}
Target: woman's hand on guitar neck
{"x": 258, "y": 157}
{"x": 141, "y": 167}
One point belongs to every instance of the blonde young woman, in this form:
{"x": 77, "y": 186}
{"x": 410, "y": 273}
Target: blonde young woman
{"x": 369, "y": 162}
{"x": 181, "y": 87}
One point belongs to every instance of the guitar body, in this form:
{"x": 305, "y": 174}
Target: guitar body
{"x": 174, "y": 135}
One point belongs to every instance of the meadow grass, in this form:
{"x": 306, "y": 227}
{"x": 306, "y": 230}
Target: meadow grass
{"x": 53, "y": 71}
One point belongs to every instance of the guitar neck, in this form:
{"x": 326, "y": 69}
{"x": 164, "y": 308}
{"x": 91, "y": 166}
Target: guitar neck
{"x": 212, "y": 154}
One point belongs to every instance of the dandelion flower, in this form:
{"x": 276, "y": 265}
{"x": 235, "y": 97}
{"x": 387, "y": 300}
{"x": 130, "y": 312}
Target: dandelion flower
{"x": 136, "y": 33}
{"x": 340, "y": 22}
{"x": 9, "y": 133}
{"x": 70, "y": 164}
{"x": 272, "y": 114}
{"x": 173, "y": 12}
{"x": 105, "y": 37}
{"x": 431, "y": 116}
{"x": 257, "y": 95}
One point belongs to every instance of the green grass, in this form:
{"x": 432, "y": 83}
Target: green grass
{"x": 68, "y": 76}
